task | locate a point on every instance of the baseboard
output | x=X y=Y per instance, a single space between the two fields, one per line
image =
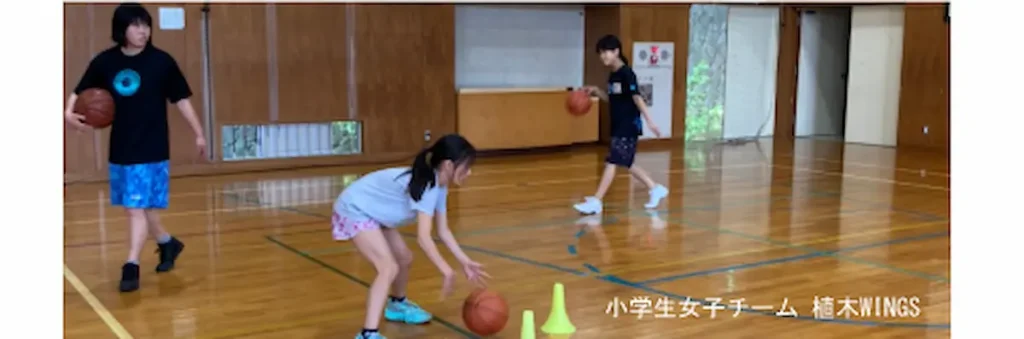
x=660 y=142
x=523 y=151
x=259 y=166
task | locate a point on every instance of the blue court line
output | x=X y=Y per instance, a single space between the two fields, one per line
x=813 y=252
x=791 y=258
x=502 y=229
x=683 y=220
x=810 y=250
x=626 y=283
x=592 y=268
x=335 y=270
x=573 y=246
x=523 y=226
x=925 y=216
x=509 y=228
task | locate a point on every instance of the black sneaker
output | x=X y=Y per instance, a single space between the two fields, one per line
x=129 y=277
x=168 y=254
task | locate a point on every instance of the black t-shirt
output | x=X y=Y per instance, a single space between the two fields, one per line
x=625 y=116
x=141 y=85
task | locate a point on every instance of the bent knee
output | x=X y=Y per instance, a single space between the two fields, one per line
x=404 y=258
x=388 y=268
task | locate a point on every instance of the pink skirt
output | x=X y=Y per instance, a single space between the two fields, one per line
x=345 y=227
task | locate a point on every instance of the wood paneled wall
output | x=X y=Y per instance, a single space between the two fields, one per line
x=785 y=81
x=406 y=79
x=290 y=63
x=502 y=119
x=391 y=67
x=639 y=23
x=86 y=33
x=924 y=90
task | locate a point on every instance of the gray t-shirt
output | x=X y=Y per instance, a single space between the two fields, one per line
x=383 y=196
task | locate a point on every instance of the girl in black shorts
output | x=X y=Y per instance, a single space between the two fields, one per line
x=626 y=106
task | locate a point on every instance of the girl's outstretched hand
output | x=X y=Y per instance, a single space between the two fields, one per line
x=475 y=273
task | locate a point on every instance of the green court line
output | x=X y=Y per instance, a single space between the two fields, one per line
x=346 y=248
x=465 y=333
x=784 y=244
x=682 y=220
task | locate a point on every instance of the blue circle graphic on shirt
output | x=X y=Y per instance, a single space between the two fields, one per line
x=127 y=82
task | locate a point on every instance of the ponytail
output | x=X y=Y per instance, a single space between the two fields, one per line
x=623 y=58
x=452 y=147
x=422 y=175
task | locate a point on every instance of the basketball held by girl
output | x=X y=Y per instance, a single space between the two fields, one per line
x=370 y=211
x=626 y=108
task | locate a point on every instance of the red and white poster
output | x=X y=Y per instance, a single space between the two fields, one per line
x=653 y=65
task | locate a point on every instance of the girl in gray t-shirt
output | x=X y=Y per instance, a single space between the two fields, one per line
x=371 y=209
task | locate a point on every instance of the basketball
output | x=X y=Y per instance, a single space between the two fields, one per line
x=485 y=312
x=97 y=106
x=578 y=102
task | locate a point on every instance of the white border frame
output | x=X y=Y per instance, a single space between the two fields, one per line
x=985 y=119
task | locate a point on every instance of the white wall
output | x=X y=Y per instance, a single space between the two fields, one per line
x=821 y=87
x=751 y=68
x=876 y=53
x=518 y=46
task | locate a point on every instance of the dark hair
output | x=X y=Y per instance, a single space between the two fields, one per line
x=449 y=147
x=125 y=15
x=610 y=43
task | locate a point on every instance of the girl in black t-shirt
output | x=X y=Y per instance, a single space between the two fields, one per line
x=142 y=79
x=626 y=107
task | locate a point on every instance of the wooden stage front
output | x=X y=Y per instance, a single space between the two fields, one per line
x=770 y=226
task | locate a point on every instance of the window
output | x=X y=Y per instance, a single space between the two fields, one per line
x=276 y=141
x=705 y=79
x=732 y=62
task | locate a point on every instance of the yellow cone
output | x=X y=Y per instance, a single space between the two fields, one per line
x=558 y=320
x=528 y=332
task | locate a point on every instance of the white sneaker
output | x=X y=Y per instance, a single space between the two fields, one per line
x=591 y=205
x=657 y=193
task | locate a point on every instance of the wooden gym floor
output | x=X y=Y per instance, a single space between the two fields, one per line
x=764 y=223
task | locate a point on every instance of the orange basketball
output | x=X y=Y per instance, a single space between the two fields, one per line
x=485 y=312
x=97 y=106
x=578 y=102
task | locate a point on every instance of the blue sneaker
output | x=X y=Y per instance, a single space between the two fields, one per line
x=406 y=312
x=374 y=335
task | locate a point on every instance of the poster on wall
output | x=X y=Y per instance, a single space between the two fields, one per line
x=652 y=63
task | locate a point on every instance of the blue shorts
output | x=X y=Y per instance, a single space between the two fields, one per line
x=622 y=151
x=142 y=186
